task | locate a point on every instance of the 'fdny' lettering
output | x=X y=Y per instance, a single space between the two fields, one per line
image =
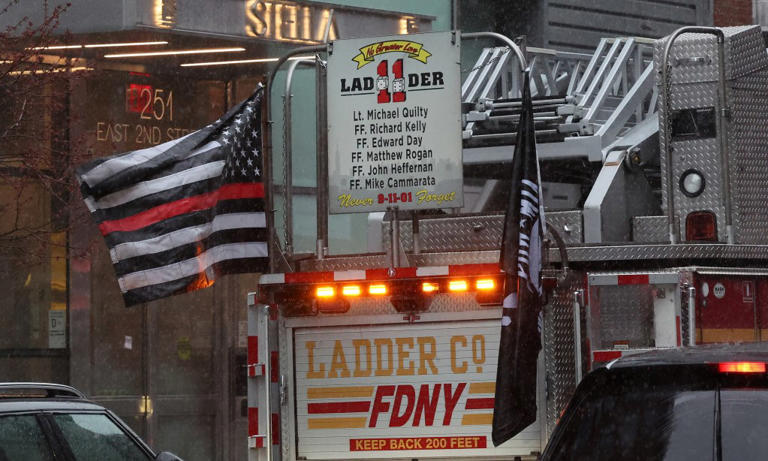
x=406 y=407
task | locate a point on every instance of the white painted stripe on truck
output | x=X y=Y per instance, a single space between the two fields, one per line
x=270 y=279
x=432 y=270
x=348 y=275
x=669 y=277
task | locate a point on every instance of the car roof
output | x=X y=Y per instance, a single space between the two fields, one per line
x=32 y=397
x=51 y=405
x=695 y=355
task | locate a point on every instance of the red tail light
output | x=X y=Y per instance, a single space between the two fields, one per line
x=701 y=226
x=741 y=367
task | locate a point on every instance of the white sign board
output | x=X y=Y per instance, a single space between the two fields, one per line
x=394 y=123
x=57 y=329
x=400 y=391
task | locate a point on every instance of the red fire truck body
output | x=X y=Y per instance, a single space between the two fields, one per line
x=657 y=241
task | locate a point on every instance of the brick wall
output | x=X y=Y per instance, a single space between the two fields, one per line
x=732 y=12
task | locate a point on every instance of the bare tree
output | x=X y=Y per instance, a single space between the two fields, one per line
x=36 y=161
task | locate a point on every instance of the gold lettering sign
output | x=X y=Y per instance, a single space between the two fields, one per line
x=414 y=50
x=288 y=21
x=400 y=356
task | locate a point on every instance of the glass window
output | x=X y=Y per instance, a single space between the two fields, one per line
x=95 y=437
x=22 y=439
x=645 y=424
x=744 y=419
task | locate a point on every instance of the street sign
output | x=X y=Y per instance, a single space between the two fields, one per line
x=394 y=123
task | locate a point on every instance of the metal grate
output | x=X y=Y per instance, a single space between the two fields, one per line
x=559 y=348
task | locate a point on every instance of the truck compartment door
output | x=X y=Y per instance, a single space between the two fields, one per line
x=632 y=312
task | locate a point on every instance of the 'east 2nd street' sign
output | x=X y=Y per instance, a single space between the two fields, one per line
x=394 y=123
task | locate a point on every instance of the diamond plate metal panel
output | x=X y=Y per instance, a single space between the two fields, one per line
x=381 y=260
x=343 y=263
x=685 y=47
x=702 y=155
x=689 y=95
x=685 y=319
x=650 y=229
x=622 y=314
x=453 y=233
x=575 y=254
x=559 y=359
x=476 y=233
x=748 y=144
x=445 y=259
x=692 y=95
x=742 y=55
x=744 y=50
x=636 y=253
x=569 y=224
x=747 y=139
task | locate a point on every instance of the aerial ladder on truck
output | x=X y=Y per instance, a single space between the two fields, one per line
x=654 y=168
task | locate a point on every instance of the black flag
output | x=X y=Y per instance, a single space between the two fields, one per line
x=521 y=251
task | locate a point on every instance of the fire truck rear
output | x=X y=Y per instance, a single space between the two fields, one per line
x=654 y=164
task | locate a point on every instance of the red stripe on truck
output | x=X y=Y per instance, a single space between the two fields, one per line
x=275 y=429
x=479 y=404
x=634 y=279
x=383 y=274
x=274 y=367
x=253 y=350
x=605 y=356
x=338 y=407
x=253 y=425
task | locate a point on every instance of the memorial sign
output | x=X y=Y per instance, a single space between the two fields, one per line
x=394 y=123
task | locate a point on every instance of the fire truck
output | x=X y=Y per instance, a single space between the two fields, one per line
x=654 y=167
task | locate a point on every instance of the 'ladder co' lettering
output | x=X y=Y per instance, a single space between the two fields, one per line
x=407 y=356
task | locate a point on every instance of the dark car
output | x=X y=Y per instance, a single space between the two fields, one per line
x=699 y=403
x=41 y=422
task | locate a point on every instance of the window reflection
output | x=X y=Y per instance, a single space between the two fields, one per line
x=94 y=437
x=640 y=425
x=21 y=439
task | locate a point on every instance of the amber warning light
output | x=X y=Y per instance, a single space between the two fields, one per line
x=351 y=290
x=325 y=292
x=457 y=285
x=741 y=367
x=486 y=284
x=405 y=295
x=377 y=289
x=486 y=288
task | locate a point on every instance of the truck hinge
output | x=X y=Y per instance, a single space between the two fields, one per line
x=254 y=369
x=253 y=438
x=283 y=390
x=411 y=317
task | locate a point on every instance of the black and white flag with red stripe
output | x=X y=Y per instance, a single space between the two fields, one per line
x=521 y=260
x=177 y=215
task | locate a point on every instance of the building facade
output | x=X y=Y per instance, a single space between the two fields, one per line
x=174 y=368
